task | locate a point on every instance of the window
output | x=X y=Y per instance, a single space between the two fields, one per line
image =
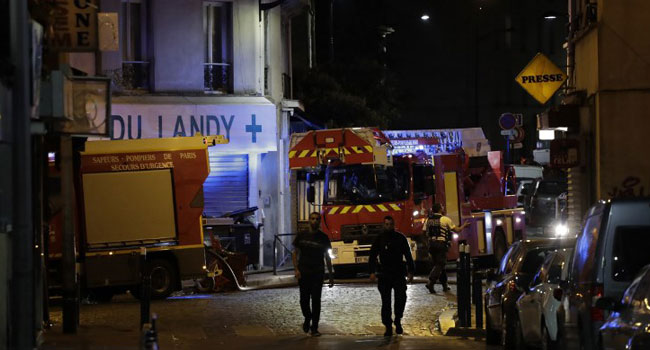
x=217 y=29
x=135 y=67
x=543 y=271
x=364 y=184
x=630 y=251
x=508 y=260
x=555 y=270
x=533 y=260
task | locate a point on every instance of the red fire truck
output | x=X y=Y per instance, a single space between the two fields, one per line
x=132 y=194
x=367 y=177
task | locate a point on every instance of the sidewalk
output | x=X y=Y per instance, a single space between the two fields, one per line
x=283 y=279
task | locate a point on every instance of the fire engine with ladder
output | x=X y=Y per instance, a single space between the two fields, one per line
x=369 y=174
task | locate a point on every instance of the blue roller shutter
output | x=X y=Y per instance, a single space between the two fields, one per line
x=226 y=188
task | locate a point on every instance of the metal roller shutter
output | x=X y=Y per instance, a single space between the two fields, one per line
x=226 y=188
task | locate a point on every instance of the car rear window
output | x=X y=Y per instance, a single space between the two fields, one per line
x=630 y=251
x=534 y=259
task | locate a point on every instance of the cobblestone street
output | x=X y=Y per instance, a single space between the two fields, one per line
x=349 y=310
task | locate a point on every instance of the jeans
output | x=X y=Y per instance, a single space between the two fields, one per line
x=311 y=286
x=385 y=284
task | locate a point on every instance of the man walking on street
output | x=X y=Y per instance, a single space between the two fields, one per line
x=310 y=250
x=439 y=227
x=395 y=262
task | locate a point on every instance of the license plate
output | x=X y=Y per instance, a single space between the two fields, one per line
x=361 y=259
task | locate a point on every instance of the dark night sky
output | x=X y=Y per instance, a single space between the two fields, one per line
x=433 y=61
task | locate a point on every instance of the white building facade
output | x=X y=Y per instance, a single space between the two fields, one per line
x=216 y=68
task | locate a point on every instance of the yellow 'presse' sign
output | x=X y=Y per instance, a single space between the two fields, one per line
x=541 y=78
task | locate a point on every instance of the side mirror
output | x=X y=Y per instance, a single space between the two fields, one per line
x=311 y=194
x=609 y=304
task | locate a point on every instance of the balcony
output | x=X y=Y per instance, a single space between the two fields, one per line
x=133 y=76
x=217 y=78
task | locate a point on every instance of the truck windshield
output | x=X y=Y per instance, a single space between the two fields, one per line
x=361 y=184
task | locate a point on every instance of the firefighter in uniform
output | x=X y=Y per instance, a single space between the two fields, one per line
x=311 y=249
x=395 y=263
x=439 y=227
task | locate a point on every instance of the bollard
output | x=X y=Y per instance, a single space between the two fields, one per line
x=149 y=339
x=145 y=288
x=477 y=291
x=467 y=285
x=461 y=281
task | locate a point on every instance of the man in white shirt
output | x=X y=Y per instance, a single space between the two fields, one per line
x=439 y=228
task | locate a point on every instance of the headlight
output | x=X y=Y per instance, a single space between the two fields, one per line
x=561 y=230
x=333 y=253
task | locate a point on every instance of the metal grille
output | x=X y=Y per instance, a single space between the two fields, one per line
x=217 y=77
x=226 y=188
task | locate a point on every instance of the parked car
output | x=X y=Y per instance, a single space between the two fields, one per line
x=541 y=207
x=628 y=326
x=516 y=270
x=537 y=307
x=611 y=249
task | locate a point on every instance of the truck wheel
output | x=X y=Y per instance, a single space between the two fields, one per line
x=163 y=278
x=500 y=246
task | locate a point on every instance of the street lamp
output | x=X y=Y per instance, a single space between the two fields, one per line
x=425 y=17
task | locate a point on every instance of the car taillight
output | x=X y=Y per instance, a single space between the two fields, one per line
x=597 y=291
x=512 y=286
x=557 y=294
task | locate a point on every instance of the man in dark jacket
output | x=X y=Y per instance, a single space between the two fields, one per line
x=392 y=249
x=311 y=249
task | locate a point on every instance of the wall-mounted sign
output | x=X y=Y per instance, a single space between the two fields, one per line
x=108 y=28
x=248 y=127
x=74 y=25
x=541 y=78
x=565 y=153
x=86 y=106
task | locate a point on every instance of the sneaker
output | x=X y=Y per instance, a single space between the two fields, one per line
x=398 y=328
x=315 y=333
x=389 y=331
x=305 y=326
x=430 y=288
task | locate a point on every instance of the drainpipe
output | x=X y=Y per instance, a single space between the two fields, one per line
x=21 y=281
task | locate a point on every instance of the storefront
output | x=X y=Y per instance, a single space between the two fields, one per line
x=236 y=179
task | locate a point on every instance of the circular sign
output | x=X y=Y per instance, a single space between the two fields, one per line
x=519 y=134
x=507 y=121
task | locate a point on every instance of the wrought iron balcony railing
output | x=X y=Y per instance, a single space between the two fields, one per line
x=218 y=77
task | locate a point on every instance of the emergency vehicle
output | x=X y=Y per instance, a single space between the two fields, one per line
x=134 y=194
x=369 y=174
